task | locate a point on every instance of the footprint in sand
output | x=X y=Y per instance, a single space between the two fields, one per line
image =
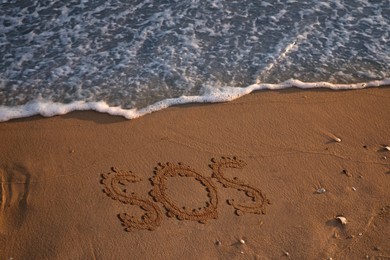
x=14 y=192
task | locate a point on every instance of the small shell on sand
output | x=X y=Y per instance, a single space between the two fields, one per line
x=242 y=241
x=342 y=219
x=320 y=190
x=337 y=139
x=387 y=147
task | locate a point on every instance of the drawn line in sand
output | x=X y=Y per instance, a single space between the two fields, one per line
x=159 y=193
x=112 y=182
x=257 y=197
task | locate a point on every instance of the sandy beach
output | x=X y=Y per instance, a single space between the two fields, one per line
x=261 y=177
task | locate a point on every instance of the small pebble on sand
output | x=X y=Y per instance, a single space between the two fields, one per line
x=347 y=173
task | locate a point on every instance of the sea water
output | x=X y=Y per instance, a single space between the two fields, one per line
x=130 y=58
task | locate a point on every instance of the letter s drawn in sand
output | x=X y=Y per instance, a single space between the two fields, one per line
x=112 y=181
x=258 y=198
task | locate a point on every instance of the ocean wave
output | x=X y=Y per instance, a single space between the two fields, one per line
x=211 y=95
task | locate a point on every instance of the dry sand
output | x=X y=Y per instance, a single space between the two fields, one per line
x=53 y=205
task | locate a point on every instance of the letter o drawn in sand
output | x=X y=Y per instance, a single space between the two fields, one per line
x=112 y=187
x=258 y=198
x=159 y=193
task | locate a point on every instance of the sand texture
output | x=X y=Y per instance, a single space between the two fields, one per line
x=262 y=177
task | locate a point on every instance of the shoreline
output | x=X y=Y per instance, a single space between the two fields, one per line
x=52 y=204
x=49 y=109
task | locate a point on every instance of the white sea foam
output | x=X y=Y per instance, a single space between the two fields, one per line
x=211 y=95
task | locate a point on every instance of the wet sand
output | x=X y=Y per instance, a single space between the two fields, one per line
x=262 y=177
